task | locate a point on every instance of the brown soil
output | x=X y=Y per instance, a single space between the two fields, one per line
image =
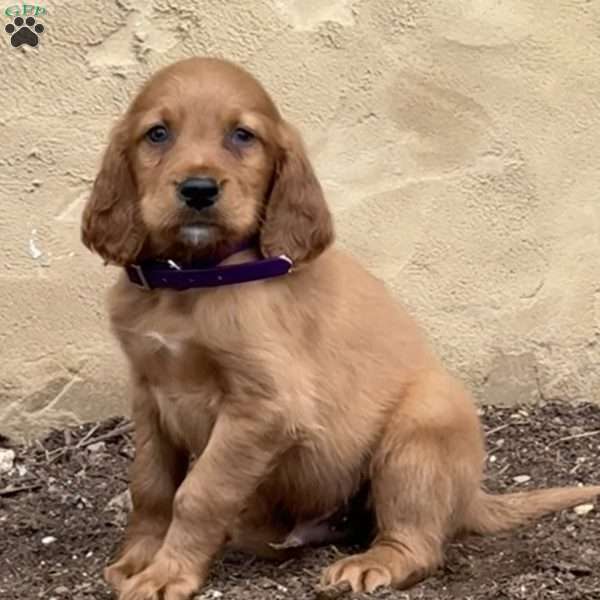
x=60 y=489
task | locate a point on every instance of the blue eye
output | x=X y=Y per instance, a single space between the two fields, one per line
x=242 y=137
x=158 y=134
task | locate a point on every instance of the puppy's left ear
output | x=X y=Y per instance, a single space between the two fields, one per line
x=297 y=220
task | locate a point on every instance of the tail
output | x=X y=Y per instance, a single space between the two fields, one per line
x=491 y=513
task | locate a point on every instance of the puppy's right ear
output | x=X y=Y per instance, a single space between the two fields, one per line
x=111 y=224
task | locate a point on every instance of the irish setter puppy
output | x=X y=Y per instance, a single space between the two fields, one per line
x=264 y=406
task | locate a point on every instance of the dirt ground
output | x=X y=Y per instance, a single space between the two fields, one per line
x=61 y=517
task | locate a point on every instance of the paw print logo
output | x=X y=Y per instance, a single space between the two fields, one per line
x=24 y=32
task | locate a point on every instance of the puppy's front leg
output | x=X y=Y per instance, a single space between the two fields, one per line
x=157 y=470
x=241 y=451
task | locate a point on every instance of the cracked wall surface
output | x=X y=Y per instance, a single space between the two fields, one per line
x=457 y=142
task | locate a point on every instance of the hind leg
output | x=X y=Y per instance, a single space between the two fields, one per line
x=424 y=472
x=268 y=532
x=258 y=528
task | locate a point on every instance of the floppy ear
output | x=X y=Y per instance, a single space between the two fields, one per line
x=297 y=221
x=111 y=225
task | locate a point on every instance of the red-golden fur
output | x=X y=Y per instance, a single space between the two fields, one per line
x=290 y=392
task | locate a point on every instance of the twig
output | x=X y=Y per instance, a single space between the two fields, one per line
x=271 y=581
x=574 y=437
x=88 y=435
x=56 y=454
x=502 y=470
x=496 y=446
x=15 y=489
x=286 y=564
x=43 y=449
x=87 y=441
x=124 y=429
x=497 y=429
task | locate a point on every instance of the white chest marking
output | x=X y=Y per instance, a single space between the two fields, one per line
x=173 y=345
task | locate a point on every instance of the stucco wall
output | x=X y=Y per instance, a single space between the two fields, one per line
x=458 y=143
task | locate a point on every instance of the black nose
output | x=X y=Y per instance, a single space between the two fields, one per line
x=198 y=192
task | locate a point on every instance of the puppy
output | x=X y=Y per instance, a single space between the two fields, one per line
x=297 y=384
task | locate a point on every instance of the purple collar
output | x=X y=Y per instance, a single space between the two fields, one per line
x=153 y=274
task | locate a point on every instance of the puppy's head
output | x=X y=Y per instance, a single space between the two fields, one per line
x=200 y=161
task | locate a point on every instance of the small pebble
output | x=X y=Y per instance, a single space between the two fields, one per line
x=121 y=502
x=7 y=460
x=97 y=447
x=48 y=540
x=121 y=505
x=521 y=478
x=583 y=509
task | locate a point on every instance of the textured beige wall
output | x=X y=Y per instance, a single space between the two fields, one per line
x=458 y=143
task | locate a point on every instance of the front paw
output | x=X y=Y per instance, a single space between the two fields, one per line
x=135 y=559
x=166 y=578
x=360 y=573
